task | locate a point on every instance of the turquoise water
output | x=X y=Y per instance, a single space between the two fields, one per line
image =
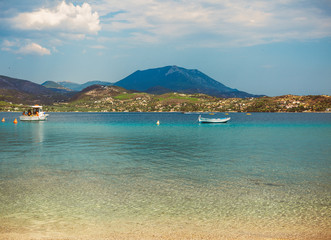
x=267 y=173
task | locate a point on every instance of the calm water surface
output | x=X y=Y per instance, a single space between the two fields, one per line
x=267 y=173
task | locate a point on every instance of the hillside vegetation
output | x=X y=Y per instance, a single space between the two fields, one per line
x=117 y=99
x=98 y=98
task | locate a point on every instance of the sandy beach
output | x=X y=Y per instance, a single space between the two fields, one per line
x=133 y=230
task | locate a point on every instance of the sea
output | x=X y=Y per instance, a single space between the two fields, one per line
x=122 y=176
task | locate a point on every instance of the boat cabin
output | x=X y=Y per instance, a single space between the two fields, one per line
x=36 y=109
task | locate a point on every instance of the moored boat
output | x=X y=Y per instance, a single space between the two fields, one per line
x=213 y=120
x=34 y=114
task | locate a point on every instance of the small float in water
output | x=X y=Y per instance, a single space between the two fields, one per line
x=34 y=114
x=213 y=120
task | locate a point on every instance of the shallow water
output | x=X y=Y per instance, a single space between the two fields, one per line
x=265 y=175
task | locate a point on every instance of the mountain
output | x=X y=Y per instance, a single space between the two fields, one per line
x=79 y=87
x=97 y=92
x=54 y=86
x=23 y=86
x=177 y=79
x=71 y=85
x=23 y=91
x=90 y=83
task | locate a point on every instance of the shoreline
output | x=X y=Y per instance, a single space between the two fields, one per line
x=168 y=230
x=172 y=102
x=163 y=112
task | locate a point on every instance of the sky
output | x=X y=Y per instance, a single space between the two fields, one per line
x=271 y=47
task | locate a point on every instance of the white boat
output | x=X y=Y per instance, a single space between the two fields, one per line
x=213 y=120
x=36 y=114
x=192 y=112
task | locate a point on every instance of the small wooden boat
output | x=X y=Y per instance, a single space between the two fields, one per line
x=36 y=114
x=213 y=120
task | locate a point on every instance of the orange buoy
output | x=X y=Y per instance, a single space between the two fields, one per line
x=3 y=120
x=15 y=121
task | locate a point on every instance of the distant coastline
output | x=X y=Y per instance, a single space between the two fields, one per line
x=95 y=101
x=203 y=94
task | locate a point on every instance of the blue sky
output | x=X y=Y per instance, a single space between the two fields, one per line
x=271 y=47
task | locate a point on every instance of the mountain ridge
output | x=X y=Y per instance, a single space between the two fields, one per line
x=79 y=87
x=54 y=86
x=153 y=81
x=15 y=94
x=20 y=90
x=178 y=79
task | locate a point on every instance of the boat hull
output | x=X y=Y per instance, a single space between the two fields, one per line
x=213 y=120
x=33 y=118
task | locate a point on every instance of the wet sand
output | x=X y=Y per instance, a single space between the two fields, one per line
x=131 y=230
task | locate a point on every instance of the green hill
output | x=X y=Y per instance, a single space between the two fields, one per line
x=116 y=99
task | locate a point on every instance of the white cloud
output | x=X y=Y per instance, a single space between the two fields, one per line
x=7 y=45
x=65 y=18
x=186 y=23
x=222 y=22
x=33 y=48
x=72 y=36
x=27 y=48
